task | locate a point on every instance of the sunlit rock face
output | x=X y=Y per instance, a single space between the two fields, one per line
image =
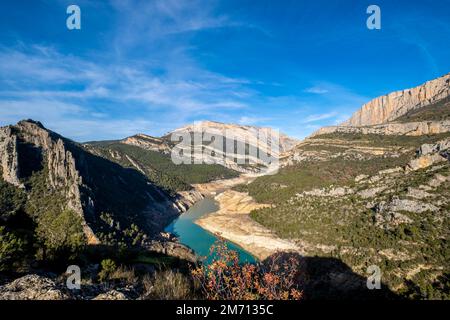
x=389 y=107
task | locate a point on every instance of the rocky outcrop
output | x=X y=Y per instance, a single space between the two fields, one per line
x=213 y=135
x=93 y=187
x=111 y=295
x=148 y=143
x=327 y=192
x=62 y=170
x=40 y=287
x=430 y=154
x=439 y=147
x=172 y=248
x=32 y=287
x=9 y=157
x=408 y=129
x=396 y=205
x=187 y=199
x=394 y=105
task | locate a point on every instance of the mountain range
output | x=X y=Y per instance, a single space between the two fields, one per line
x=373 y=190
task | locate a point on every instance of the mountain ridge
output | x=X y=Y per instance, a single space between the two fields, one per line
x=91 y=186
x=395 y=104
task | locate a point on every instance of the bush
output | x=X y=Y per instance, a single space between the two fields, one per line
x=12 y=199
x=108 y=268
x=226 y=279
x=60 y=232
x=11 y=248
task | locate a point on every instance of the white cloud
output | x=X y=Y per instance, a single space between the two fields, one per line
x=245 y=120
x=316 y=90
x=319 y=117
x=103 y=101
x=71 y=120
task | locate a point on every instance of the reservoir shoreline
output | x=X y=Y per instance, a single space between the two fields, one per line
x=232 y=222
x=199 y=239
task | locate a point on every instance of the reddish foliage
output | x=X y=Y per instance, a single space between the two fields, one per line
x=226 y=279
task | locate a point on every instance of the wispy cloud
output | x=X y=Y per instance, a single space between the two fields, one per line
x=316 y=90
x=152 y=74
x=246 y=120
x=158 y=22
x=319 y=117
x=72 y=120
x=36 y=80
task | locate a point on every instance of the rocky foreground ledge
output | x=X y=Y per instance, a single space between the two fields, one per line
x=38 y=287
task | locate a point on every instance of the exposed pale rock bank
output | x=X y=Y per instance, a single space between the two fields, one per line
x=232 y=222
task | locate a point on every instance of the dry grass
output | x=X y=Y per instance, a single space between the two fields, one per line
x=167 y=285
x=125 y=274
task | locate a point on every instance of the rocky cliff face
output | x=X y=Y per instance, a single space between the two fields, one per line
x=9 y=157
x=255 y=137
x=238 y=131
x=419 y=111
x=408 y=128
x=394 y=105
x=148 y=143
x=108 y=198
x=61 y=168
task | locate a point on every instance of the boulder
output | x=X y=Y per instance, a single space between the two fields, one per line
x=111 y=295
x=33 y=287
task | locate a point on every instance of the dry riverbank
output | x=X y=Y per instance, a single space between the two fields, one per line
x=232 y=222
x=215 y=187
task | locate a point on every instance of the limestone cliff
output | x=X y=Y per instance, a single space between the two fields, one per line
x=148 y=142
x=254 y=137
x=9 y=157
x=394 y=105
x=394 y=128
x=109 y=198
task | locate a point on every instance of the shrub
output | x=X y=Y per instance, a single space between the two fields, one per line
x=12 y=200
x=10 y=249
x=60 y=232
x=108 y=268
x=226 y=279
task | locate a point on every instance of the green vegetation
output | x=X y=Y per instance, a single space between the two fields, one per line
x=344 y=227
x=438 y=111
x=377 y=140
x=309 y=175
x=61 y=231
x=413 y=253
x=11 y=200
x=160 y=169
x=11 y=248
x=16 y=230
x=58 y=230
x=108 y=268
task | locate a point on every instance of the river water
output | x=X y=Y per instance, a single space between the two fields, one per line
x=198 y=238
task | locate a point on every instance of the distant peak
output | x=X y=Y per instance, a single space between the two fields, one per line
x=31 y=121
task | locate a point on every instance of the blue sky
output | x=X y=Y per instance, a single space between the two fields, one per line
x=152 y=66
